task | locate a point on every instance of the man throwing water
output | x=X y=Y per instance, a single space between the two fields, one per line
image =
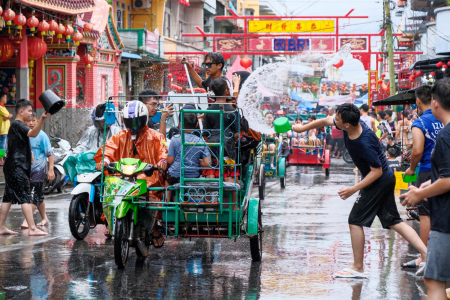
x=376 y=189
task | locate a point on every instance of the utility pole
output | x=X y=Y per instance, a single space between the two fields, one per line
x=390 y=47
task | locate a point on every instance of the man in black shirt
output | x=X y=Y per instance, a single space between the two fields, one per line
x=376 y=188
x=17 y=167
x=437 y=192
x=391 y=145
x=151 y=99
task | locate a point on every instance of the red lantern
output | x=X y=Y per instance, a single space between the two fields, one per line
x=6 y=49
x=88 y=27
x=383 y=75
x=88 y=60
x=60 y=30
x=444 y=66
x=20 y=20
x=432 y=73
x=448 y=63
x=411 y=78
x=68 y=32
x=380 y=59
x=43 y=27
x=77 y=37
x=246 y=62
x=169 y=75
x=439 y=64
x=32 y=23
x=339 y=64
x=420 y=73
x=52 y=27
x=9 y=15
x=36 y=48
x=380 y=81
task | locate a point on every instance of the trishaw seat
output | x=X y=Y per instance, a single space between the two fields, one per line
x=227 y=186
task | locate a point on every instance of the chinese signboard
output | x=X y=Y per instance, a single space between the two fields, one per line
x=373 y=84
x=260 y=44
x=230 y=45
x=290 y=44
x=325 y=44
x=291 y=26
x=152 y=43
x=358 y=44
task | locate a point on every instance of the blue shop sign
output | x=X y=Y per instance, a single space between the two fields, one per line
x=290 y=44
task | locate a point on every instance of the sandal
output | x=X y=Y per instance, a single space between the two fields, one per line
x=155 y=240
x=410 y=265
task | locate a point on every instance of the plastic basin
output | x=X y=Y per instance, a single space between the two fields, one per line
x=282 y=125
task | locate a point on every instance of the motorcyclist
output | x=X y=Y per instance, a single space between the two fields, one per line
x=92 y=138
x=138 y=141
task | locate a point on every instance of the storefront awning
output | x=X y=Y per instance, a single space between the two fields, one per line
x=130 y=55
x=405 y=98
x=428 y=65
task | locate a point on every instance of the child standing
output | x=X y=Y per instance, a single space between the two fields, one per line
x=42 y=150
x=18 y=167
x=4 y=123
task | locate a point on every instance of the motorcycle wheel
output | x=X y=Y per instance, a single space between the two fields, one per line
x=262 y=183
x=347 y=158
x=77 y=216
x=121 y=243
x=50 y=186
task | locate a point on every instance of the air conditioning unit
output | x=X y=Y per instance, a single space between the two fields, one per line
x=142 y=4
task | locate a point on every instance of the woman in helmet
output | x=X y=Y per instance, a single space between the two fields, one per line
x=138 y=141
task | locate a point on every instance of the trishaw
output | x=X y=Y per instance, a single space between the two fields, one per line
x=201 y=207
x=311 y=154
x=265 y=159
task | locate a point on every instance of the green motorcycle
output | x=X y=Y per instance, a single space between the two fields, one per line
x=131 y=224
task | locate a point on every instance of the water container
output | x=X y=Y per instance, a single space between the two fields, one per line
x=110 y=115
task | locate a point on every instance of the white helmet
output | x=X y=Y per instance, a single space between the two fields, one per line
x=135 y=116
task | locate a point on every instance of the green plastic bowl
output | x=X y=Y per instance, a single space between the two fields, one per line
x=409 y=178
x=282 y=125
x=2 y=153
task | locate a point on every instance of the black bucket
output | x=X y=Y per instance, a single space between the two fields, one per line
x=51 y=103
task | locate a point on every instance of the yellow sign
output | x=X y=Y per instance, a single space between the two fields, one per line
x=291 y=26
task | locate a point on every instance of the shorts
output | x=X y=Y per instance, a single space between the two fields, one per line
x=377 y=199
x=3 y=141
x=438 y=256
x=17 y=187
x=227 y=171
x=338 y=142
x=423 y=207
x=171 y=180
x=37 y=193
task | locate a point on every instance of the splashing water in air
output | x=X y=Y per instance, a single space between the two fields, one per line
x=268 y=87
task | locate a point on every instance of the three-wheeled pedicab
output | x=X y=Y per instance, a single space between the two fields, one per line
x=200 y=208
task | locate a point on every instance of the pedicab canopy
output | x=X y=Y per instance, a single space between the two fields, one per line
x=404 y=98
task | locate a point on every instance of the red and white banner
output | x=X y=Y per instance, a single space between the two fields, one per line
x=323 y=45
x=260 y=44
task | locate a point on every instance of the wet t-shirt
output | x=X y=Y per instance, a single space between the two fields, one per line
x=42 y=149
x=440 y=168
x=366 y=152
x=19 y=150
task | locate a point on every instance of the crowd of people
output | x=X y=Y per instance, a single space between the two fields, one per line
x=376 y=142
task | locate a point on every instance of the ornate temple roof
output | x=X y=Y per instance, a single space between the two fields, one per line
x=70 y=7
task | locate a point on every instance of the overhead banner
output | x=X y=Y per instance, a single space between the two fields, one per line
x=291 y=26
x=290 y=44
x=324 y=44
x=357 y=44
x=260 y=44
x=230 y=45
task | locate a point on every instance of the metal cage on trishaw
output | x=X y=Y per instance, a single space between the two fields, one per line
x=200 y=208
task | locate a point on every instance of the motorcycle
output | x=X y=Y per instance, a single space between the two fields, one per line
x=346 y=157
x=131 y=223
x=85 y=210
x=60 y=155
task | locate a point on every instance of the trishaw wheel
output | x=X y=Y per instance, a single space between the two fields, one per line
x=327 y=172
x=262 y=183
x=283 y=182
x=121 y=243
x=256 y=241
x=78 y=222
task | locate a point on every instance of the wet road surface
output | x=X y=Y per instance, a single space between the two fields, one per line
x=306 y=240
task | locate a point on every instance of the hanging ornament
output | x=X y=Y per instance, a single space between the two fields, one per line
x=43 y=28
x=88 y=27
x=77 y=37
x=383 y=75
x=52 y=27
x=88 y=60
x=439 y=64
x=380 y=81
x=68 y=31
x=6 y=49
x=20 y=20
x=339 y=64
x=9 y=15
x=246 y=62
x=32 y=23
x=444 y=66
x=59 y=32
x=433 y=74
x=36 y=49
x=380 y=59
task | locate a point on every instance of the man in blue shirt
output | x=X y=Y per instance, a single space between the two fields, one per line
x=194 y=157
x=376 y=188
x=424 y=133
x=42 y=150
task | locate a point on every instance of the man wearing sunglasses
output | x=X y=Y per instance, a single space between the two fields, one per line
x=151 y=99
x=214 y=63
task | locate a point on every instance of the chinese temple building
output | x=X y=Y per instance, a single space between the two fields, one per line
x=71 y=47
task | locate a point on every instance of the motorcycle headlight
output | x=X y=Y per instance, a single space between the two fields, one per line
x=128 y=169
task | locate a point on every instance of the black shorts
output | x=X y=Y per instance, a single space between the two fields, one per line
x=37 y=193
x=338 y=142
x=377 y=199
x=17 y=187
x=423 y=207
x=171 y=179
